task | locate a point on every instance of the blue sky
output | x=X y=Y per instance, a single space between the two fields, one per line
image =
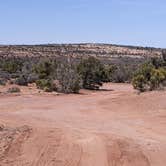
x=128 y=22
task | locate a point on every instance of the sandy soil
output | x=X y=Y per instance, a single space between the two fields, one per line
x=111 y=127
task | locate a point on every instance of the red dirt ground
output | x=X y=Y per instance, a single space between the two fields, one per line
x=111 y=127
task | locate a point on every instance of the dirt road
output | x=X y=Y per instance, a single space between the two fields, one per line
x=111 y=127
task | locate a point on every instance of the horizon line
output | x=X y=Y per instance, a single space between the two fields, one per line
x=83 y=43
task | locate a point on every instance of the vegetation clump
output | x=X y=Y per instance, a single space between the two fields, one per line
x=45 y=84
x=69 y=75
x=149 y=77
x=45 y=68
x=69 y=80
x=93 y=73
x=3 y=81
x=14 y=90
x=21 y=80
x=11 y=65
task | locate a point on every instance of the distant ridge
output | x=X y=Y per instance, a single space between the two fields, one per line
x=102 y=44
x=79 y=49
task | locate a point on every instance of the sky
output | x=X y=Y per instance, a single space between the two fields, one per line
x=127 y=22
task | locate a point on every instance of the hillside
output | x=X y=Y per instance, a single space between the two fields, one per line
x=79 y=50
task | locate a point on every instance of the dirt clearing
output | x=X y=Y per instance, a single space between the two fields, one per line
x=111 y=127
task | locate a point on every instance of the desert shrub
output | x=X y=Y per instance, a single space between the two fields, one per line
x=69 y=81
x=124 y=68
x=22 y=80
x=45 y=68
x=139 y=82
x=11 y=65
x=14 y=90
x=149 y=77
x=92 y=72
x=164 y=55
x=45 y=84
x=141 y=79
x=158 y=78
x=158 y=62
x=28 y=71
x=61 y=76
x=107 y=73
x=27 y=74
x=32 y=77
x=122 y=73
x=3 y=81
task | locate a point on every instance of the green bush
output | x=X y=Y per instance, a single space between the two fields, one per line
x=92 y=72
x=45 y=85
x=69 y=81
x=11 y=65
x=149 y=77
x=22 y=80
x=139 y=82
x=45 y=68
x=3 y=81
x=158 y=62
x=62 y=76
